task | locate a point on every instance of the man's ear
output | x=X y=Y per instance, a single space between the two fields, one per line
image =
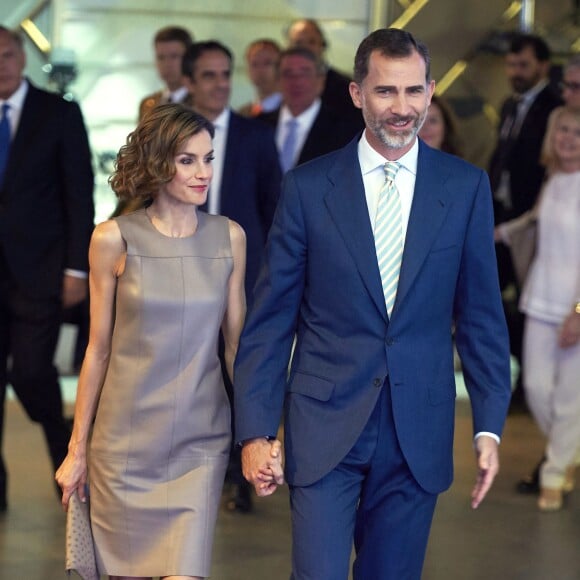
x=355 y=94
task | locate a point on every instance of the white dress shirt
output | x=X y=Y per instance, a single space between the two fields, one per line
x=177 y=96
x=16 y=102
x=221 y=125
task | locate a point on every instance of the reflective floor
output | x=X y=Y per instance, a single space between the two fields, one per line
x=506 y=539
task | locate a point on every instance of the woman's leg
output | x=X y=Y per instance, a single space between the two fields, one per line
x=539 y=360
x=564 y=434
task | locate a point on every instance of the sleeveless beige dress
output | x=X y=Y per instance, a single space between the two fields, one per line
x=161 y=437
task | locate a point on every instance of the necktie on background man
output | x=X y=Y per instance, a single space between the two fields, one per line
x=289 y=145
x=4 y=140
x=389 y=235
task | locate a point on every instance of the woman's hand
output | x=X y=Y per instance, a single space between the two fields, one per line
x=570 y=330
x=71 y=475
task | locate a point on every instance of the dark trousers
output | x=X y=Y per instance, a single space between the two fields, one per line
x=29 y=329
x=371 y=498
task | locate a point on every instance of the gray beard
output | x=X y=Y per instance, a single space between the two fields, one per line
x=400 y=140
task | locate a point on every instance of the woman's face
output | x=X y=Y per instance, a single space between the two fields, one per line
x=567 y=140
x=433 y=129
x=193 y=171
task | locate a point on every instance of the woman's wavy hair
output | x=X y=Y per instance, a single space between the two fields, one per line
x=146 y=161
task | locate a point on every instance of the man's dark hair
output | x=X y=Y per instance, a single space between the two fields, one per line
x=197 y=49
x=305 y=53
x=538 y=45
x=389 y=42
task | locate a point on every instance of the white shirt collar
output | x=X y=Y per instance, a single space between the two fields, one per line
x=529 y=96
x=271 y=102
x=223 y=119
x=177 y=96
x=16 y=99
x=305 y=119
x=370 y=159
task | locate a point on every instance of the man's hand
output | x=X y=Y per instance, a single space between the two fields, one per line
x=74 y=290
x=487 y=454
x=262 y=465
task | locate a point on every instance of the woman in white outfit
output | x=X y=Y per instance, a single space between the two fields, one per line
x=551 y=302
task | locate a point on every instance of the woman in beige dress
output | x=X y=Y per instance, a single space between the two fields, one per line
x=164 y=281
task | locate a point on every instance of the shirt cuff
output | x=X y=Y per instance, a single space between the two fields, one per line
x=76 y=273
x=488 y=434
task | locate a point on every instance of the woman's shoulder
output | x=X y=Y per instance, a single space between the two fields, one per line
x=237 y=233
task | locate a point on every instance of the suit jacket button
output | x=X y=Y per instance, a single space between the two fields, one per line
x=390 y=341
x=377 y=382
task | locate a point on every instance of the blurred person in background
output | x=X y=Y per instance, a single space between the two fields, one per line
x=305 y=126
x=307 y=33
x=551 y=303
x=170 y=44
x=46 y=220
x=262 y=58
x=440 y=128
x=515 y=172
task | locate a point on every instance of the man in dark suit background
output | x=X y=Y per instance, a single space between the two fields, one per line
x=318 y=128
x=307 y=33
x=515 y=172
x=370 y=397
x=170 y=44
x=46 y=220
x=246 y=179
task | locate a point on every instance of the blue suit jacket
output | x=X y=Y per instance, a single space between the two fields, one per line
x=321 y=281
x=250 y=186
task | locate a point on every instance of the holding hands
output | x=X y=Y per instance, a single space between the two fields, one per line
x=262 y=465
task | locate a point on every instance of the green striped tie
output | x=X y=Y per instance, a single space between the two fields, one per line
x=389 y=235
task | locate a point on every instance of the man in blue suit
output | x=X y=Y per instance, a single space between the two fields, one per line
x=245 y=185
x=370 y=397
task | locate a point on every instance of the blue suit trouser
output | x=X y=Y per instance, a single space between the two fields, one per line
x=370 y=498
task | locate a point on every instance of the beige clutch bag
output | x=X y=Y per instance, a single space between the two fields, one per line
x=80 y=550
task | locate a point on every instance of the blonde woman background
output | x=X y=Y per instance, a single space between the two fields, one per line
x=551 y=303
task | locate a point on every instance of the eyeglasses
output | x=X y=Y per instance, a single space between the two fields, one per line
x=570 y=86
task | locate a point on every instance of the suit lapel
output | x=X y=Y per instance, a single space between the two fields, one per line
x=431 y=203
x=346 y=203
x=30 y=120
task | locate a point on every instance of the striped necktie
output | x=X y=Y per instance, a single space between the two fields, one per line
x=288 y=147
x=4 y=140
x=388 y=235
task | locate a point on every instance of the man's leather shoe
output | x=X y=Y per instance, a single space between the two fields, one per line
x=530 y=485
